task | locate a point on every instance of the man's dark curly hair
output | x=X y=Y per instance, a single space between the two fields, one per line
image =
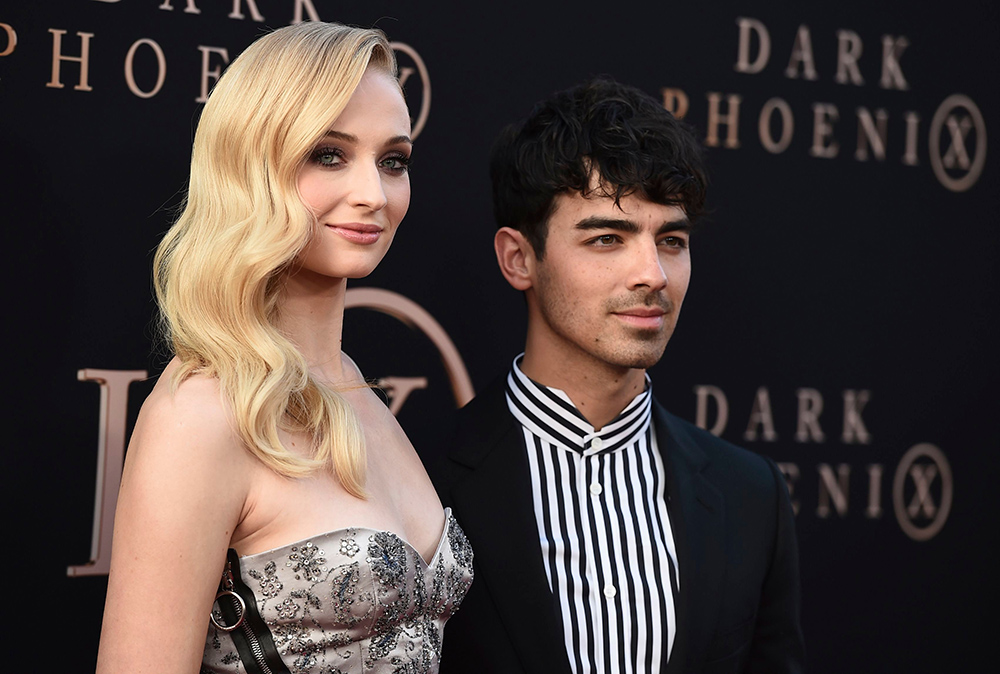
x=631 y=141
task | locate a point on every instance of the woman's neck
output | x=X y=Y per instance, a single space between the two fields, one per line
x=311 y=315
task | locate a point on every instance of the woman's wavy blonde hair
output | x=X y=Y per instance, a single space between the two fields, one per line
x=219 y=269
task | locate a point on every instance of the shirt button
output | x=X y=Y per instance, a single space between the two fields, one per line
x=610 y=591
x=596 y=489
x=596 y=443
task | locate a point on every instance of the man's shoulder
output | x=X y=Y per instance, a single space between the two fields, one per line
x=713 y=455
x=487 y=402
x=485 y=415
x=479 y=427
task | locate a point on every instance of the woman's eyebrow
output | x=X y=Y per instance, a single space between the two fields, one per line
x=348 y=138
x=341 y=136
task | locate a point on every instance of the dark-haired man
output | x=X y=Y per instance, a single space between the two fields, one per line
x=609 y=535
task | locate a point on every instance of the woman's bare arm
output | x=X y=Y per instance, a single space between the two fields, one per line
x=183 y=492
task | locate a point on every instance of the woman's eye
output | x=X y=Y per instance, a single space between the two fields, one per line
x=327 y=156
x=396 y=164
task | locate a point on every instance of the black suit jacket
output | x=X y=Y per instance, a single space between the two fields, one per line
x=734 y=531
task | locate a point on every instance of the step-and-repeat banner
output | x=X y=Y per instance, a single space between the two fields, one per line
x=842 y=317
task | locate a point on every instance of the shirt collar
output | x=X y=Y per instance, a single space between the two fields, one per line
x=549 y=414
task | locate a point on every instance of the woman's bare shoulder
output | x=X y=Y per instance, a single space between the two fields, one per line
x=191 y=416
x=183 y=493
x=351 y=369
x=185 y=459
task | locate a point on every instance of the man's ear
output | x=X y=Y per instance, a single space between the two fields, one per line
x=516 y=257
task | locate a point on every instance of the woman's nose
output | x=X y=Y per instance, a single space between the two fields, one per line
x=366 y=187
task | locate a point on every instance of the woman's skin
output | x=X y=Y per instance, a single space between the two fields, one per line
x=190 y=489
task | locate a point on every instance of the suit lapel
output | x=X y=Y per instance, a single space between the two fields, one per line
x=494 y=505
x=698 y=523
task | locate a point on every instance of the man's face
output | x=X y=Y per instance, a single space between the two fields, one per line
x=612 y=280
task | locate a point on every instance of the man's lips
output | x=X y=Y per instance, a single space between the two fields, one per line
x=642 y=317
x=357 y=232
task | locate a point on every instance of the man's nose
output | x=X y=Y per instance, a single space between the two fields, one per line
x=647 y=270
x=366 y=187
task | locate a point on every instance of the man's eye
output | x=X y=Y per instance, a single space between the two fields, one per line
x=606 y=240
x=674 y=242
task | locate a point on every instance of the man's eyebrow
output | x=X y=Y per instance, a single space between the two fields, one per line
x=681 y=225
x=348 y=138
x=617 y=224
x=629 y=226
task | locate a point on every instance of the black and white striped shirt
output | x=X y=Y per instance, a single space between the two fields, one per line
x=601 y=509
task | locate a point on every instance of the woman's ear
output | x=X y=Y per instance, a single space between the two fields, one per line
x=516 y=258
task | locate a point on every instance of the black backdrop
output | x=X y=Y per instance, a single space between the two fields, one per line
x=863 y=279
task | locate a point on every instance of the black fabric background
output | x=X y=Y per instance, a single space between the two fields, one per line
x=830 y=274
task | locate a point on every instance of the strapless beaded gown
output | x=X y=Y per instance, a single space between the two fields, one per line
x=352 y=600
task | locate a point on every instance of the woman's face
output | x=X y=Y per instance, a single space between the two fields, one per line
x=356 y=182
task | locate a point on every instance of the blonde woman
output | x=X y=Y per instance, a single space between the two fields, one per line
x=270 y=500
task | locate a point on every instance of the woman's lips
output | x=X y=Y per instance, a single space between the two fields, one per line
x=357 y=232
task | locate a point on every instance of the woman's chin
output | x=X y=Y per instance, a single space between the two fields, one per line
x=361 y=270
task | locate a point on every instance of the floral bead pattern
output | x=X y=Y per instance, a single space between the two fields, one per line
x=353 y=600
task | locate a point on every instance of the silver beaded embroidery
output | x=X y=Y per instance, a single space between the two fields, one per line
x=348 y=546
x=307 y=559
x=270 y=586
x=383 y=612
